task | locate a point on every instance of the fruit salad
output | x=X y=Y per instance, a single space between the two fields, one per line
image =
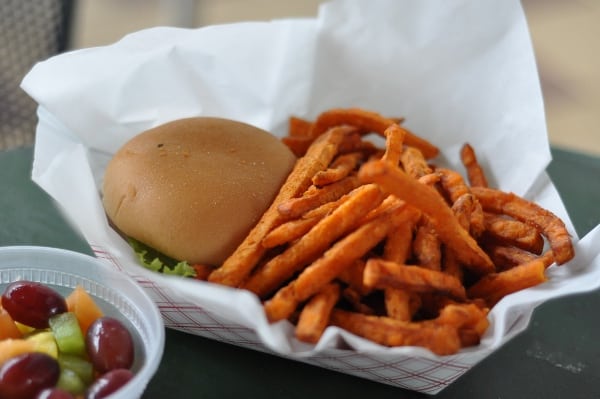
x=55 y=347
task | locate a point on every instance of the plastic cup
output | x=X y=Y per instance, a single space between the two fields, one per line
x=117 y=294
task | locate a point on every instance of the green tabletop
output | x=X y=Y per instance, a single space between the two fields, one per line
x=558 y=356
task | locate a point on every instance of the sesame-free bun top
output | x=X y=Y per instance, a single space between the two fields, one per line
x=193 y=188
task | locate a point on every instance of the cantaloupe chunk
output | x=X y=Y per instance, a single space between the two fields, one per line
x=85 y=308
x=8 y=328
x=14 y=347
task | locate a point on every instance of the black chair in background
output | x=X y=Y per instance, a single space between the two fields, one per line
x=30 y=31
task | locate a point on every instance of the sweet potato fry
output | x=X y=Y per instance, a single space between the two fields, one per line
x=240 y=264
x=427 y=247
x=376 y=156
x=354 y=142
x=369 y=122
x=439 y=338
x=460 y=197
x=289 y=231
x=514 y=232
x=399 y=303
x=394 y=140
x=398 y=243
x=451 y=266
x=294 y=229
x=469 y=319
x=389 y=202
x=394 y=181
x=462 y=315
x=429 y=179
x=299 y=127
x=340 y=168
x=352 y=276
x=469 y=213
x=314 y=316
x=310 y=246
x=496 y=286
x=462 y=209
x=506 y=257
x=202 y=271
x=452 y=184
x=397 y=119
x=549 y=224
x=340 y=256
x=382 y=274
x=418 y=252
x=296 y=207
x=475 y=172
x=469 y=336
x=349 y=249
x=414 y=163
x=298 y=145
x=477 y=223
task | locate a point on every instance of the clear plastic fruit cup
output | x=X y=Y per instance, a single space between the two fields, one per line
x=116 y=294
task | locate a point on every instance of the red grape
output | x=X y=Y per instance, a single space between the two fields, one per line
x=109 y=345
x=24 y=376
x=32 y=303
x=54 y=393
x=108 y=383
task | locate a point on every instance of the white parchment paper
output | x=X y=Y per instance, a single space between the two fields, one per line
x=459 y=71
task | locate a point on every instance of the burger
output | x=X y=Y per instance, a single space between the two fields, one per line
x=187 y=192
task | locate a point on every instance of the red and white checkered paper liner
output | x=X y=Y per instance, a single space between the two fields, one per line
x=428 y=374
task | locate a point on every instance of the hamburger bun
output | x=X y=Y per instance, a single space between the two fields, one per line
x=193 y=188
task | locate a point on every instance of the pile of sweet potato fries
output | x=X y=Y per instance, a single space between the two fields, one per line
x=385 y=244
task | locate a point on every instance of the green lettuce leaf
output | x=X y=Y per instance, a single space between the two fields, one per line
x=155 y=261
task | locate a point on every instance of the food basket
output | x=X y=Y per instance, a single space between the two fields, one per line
x=461 y=71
